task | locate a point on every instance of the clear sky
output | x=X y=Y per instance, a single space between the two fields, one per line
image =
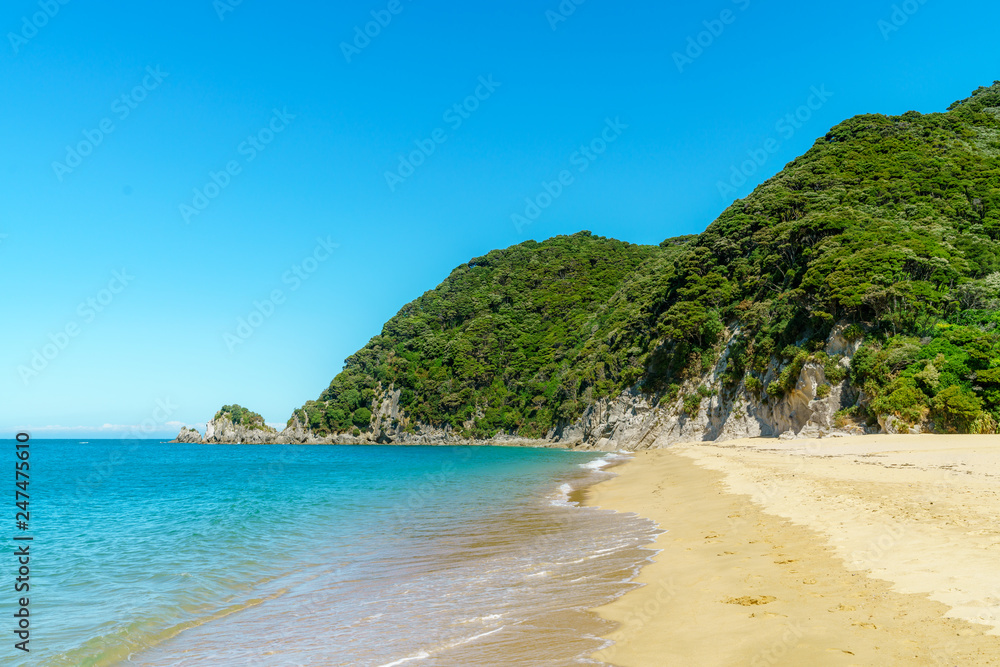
x=168 y=168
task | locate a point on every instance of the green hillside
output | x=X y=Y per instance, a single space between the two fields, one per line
x=515 y=340
x=890 y=223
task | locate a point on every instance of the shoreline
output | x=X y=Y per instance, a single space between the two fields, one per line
x=847 y=551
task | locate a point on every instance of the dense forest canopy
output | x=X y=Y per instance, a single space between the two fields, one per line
x=515 y=340
x=890 y=223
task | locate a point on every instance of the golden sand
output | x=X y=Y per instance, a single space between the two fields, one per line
x=877 y=550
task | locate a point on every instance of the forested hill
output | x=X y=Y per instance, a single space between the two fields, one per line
x=515 y=340
x=891 y=223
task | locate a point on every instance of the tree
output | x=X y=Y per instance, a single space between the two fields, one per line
x=958 y=408
x=362 y=418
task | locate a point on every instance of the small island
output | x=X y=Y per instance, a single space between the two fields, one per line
x=233 y=424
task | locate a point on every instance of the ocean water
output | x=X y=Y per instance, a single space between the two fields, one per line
x=152 y=553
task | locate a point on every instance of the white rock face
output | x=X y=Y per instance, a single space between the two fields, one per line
x=838 y=344
x=895 y=426
x=629 y=422
x=224 y=431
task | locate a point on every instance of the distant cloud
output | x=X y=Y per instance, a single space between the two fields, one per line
x=105 y=428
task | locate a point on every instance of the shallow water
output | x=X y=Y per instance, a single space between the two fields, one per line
x=162 y=554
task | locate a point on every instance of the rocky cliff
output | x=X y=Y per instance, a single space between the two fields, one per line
x=634 y=420
x=631 y=421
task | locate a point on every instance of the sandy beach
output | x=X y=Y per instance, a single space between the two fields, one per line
x=875 y=550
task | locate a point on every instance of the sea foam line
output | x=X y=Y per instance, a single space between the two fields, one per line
x=604 y=461
x=423 y=655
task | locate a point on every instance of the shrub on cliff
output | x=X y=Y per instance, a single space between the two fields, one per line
x=906 y=402
x=957 y=408
x=241 y=416
x=362 y=418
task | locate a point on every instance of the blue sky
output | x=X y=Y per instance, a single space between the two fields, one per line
x=170 y=170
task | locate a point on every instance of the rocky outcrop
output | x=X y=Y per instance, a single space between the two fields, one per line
x=388 y=429
x=222 y=430
x=896 y=426
x=189 y=435
x=631 y=421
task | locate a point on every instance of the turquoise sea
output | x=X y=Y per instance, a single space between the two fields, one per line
x=153 y=553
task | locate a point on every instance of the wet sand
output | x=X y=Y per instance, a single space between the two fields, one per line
x=877 y=550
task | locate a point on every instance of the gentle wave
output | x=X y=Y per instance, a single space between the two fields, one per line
x=605 y=461
x=561 y=498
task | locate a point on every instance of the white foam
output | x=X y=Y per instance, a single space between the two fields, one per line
x=562 y=498
x=423 y=655
x=480 y=619
x=474 y=637
x=598 y=553
x=603 y=462
x=597 y=464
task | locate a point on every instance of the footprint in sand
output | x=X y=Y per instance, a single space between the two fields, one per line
x=751 y=600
